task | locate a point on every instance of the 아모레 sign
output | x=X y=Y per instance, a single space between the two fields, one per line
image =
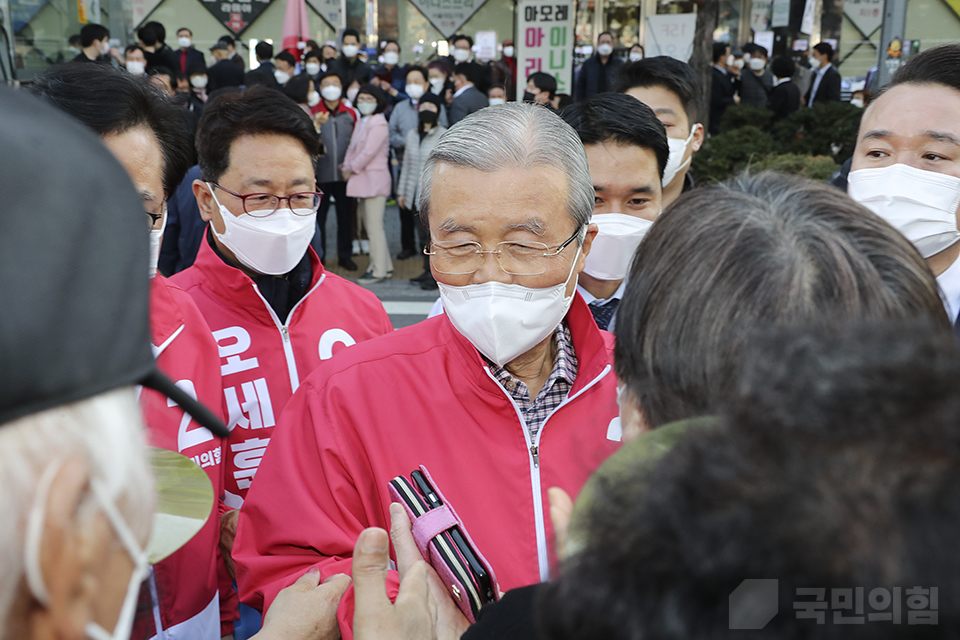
x=545 y=42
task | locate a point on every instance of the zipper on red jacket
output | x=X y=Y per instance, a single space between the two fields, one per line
x=535 y=452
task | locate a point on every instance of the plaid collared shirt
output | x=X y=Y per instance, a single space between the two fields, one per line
x=554 y=390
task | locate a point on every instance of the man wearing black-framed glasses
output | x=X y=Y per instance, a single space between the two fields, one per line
x=274 y=311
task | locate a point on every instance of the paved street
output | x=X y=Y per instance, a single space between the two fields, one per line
x=406 y=303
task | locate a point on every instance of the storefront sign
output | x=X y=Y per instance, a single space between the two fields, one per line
x=448 y=15
x=329 y=10
x=866 y=15
x=781 y=14
x=545 y=42
x=670 y=34
x=236 y=16
x=485 y=44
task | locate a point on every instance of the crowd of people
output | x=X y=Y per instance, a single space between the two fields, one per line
x=636 y=393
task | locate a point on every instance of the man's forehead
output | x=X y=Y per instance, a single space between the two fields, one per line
x=912 y=110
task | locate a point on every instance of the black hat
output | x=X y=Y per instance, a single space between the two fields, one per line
x=219 y=45
x=73 y=268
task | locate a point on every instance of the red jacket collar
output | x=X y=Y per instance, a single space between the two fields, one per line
x=165 y=316
x=341 y=108
x=594 y=348
x=232 y=285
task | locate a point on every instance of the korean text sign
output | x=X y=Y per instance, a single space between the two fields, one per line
x=545 y=42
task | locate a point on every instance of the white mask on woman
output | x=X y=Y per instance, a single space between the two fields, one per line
x=313 y=98
x=436 y=85
x=922 y=205
x=502 y=320
x=391 y=58
x=352 y=94
x=366 y=108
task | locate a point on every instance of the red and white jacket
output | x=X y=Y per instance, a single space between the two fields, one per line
x=422 y=395
x=263 y=360
x=184 y=585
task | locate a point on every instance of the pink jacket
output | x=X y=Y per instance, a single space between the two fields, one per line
x=262 y=360
x=421 y=395
x=367 y=158
x=186 y=583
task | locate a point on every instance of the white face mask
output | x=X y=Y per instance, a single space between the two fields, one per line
x=352 y=94
x=922 y=205
x=124 y=623
x=504 y=321
x=757 y=64
x=738 y=63
x=508 y=51
x=366 y=108
x=313 y=68
x=415 y=91
x=436 y=85
x=135 y=67
x=184 y=42
x=636 y=56
x=613 y=247
x=282 y=76
x=331 y=92
x=104 y=47
x=814 y=63
x=496 y=101
x=391 y=57
x=461 y=55
x=313 y=98
x=747 y=58
x=156 y=237
x=675 y=161
x=730 y=60
x=199 y=82
x=350 y=50
x=272 y=245
x=605 y=49
x=857 y=102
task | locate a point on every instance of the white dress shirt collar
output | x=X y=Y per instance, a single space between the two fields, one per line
x=949 y=283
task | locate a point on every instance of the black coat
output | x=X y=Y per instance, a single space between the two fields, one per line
x=829 y=89
x=784 y=100
x=596 y=77
x=224 y=73
x=194 y=60
x=721 y=97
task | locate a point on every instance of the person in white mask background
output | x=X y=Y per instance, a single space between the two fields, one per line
x=598 y=73
x=825 y=86
x=503 y=71
x=906 y=165
x=389 y=75
x=467 y=97
x=756 y=80
x=403 y=119
x=285 y=67
x=275 y=312
x=671 y=88
x=627 y=151
x=508 y=393
x=461 y=53
x=187 y=56
x=134 y=61
x=349 y=66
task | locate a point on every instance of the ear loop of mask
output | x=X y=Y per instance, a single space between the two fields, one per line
x=34 y=533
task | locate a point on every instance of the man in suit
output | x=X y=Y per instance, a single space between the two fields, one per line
x=224 y=72
x=232 y=54
x=785 y=95
x=264 y=73
x=722 y=93
x=826 y=82
x=187 y=57
x=467 y=98
x=598 y=74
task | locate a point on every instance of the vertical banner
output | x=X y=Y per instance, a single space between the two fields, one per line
x=781 y=14
x=545 y=42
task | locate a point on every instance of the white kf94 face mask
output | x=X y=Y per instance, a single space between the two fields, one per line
x=272 y=245
x=613 y=247
x=675 y=161
x=922 y=205
x=503 y=320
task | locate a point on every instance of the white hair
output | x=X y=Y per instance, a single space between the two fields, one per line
x=515 y=135
x=105 y=432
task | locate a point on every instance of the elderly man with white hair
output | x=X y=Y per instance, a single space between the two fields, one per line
x=507 y=394
x=78 y=492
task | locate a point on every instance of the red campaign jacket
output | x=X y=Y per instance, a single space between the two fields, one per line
x=262 y=361
x=422 y=395
x=185 y=584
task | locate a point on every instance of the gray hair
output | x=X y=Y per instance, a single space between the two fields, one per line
x=106 y=432
x=515 y=135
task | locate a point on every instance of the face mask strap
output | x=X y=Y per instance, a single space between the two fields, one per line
x=34 y=533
